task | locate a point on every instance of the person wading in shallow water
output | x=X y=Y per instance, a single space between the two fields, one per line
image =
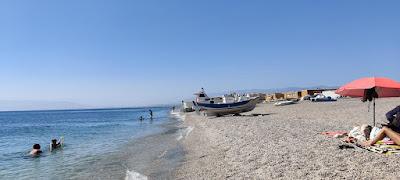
x=151 y=114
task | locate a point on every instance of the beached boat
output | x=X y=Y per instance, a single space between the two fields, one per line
x=228 y=108
x=284 y=103
x=235 y=105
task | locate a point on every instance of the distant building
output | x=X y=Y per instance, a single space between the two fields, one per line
x=314 y=91
x=297 y=94
x=293 y=95
x=274 y=97
x=261 y=96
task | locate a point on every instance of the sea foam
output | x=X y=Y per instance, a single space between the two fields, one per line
x=132 y=175
x=178 y=115
x=184 y=133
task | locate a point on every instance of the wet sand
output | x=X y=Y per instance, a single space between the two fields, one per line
x=285 y=144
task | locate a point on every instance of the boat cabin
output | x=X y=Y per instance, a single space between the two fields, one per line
x=202 y=96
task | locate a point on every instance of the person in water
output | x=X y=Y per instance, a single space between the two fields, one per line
x=392 y=130
x=55 y=144
x=35 y=150
x=151 y=114
x=141 y=118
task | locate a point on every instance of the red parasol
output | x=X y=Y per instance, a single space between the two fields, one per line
x=371 y=88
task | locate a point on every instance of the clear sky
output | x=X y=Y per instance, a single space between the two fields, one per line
x=133 y=53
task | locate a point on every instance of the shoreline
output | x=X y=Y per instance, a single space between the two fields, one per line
x=164 y=152
x=153 y=156
x=285 y=144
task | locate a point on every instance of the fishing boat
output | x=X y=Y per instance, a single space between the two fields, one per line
x=231 y=104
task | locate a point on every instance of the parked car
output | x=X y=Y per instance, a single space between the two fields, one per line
x=321 y=98
x=307 y=97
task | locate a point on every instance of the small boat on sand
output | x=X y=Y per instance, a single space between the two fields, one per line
x=284 y=103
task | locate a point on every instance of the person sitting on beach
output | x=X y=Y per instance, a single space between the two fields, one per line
x=393 y=117
x=391 y=130
x=55 y=144
x=35 y=150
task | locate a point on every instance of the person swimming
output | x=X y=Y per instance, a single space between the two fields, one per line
x=55 y=144
x=35 y=150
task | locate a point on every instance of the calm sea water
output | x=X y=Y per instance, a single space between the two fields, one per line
x=99 y=144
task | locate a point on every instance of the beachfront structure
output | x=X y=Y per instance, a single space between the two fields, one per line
x=292 y=95
x=261 y=96
x=274 y=97
x=298 y=94
x=312 y=92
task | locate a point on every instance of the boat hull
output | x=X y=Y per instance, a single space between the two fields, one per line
x=228 y=108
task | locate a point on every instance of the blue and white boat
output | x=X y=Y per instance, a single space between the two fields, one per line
x=230 y=104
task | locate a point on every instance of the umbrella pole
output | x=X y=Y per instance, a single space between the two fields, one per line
x=374 y=111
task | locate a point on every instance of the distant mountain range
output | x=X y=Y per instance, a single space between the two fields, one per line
x=20 y=105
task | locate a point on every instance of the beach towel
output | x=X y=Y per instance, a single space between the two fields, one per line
x=387 y=142
x=377 y=148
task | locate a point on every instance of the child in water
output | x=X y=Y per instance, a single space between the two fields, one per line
x=55 y=144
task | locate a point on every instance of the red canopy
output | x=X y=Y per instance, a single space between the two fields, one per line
x=383 y=86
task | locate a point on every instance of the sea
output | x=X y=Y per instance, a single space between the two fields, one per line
x=98 y=144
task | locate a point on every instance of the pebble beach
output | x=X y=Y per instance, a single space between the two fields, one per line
x=286 y=143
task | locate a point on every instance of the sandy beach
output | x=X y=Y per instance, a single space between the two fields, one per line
x=286 y=144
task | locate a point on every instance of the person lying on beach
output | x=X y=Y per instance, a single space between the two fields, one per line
x=391 y=130
x=384 y=132
x=35 y=150
x=55 y=144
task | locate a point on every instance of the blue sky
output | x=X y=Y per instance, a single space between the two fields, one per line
x=133 y=53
